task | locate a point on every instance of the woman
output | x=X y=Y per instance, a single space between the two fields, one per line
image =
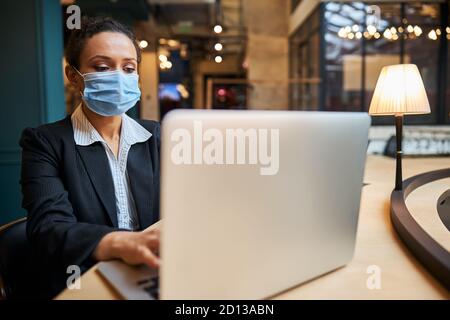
x=90 y=182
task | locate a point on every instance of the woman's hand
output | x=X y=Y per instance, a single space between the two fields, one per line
x=132 y=247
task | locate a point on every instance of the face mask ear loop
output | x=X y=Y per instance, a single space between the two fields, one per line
x=81 y=93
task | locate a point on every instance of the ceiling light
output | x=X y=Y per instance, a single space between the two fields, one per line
x=218 y=28
x=387 y=34
x=143 y=44
x=165 y=65
x=371 y=29
x=218 y=59
x=218 y=46
x=432 y=35
x=417 y=31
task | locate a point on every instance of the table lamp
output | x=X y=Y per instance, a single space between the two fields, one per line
x=399 y=91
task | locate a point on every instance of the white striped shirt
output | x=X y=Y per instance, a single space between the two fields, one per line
x=131 y=132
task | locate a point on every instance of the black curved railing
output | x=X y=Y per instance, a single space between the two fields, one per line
x=443 y=208
x=429 y=252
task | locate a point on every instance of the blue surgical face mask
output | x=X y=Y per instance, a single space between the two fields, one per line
x=110 y=93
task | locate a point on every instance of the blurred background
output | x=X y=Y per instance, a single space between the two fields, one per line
x=230 y=54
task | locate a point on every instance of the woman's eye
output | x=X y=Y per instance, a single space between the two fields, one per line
x=129 y=69
x=101 y=68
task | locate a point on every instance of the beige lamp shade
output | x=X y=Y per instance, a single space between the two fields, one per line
x=399 y=91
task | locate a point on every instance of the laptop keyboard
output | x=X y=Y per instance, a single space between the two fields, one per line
x=151 y=286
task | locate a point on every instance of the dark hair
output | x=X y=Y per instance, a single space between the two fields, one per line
x=90 y=26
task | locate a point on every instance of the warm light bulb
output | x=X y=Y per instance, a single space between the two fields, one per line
x=165 y=65
x=371 y=29
x=417 y=31
x=218 y=59
x=387 y=34
x=218 y=28
x=143 y=44
x=432 y=35
x=218 y=46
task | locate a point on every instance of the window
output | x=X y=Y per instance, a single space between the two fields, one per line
x=343 y=58
x=358 y=40
x=305 y=65
x=424 y=52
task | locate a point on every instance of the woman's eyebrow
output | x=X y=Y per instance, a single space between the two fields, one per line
x=100 y=56
x=109 y=58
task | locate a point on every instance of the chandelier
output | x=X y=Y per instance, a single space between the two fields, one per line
x=392 y=33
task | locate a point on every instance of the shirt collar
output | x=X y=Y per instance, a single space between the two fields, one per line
x=133 y=132
x=85 y=134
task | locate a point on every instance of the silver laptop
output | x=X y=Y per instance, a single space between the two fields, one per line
x=254 y=202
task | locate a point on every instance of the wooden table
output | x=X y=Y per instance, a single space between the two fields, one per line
x=377 y=244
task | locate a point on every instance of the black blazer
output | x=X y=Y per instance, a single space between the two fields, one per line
x=68 y=193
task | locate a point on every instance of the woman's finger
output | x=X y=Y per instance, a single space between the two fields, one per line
x=150 y=259
x=152 y=242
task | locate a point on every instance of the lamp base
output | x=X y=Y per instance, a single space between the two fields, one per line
x=399 y=138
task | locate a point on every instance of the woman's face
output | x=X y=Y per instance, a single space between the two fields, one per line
x=105 y=51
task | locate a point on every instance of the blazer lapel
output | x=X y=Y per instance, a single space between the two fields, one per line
x=140 y=173
x=97 y=166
